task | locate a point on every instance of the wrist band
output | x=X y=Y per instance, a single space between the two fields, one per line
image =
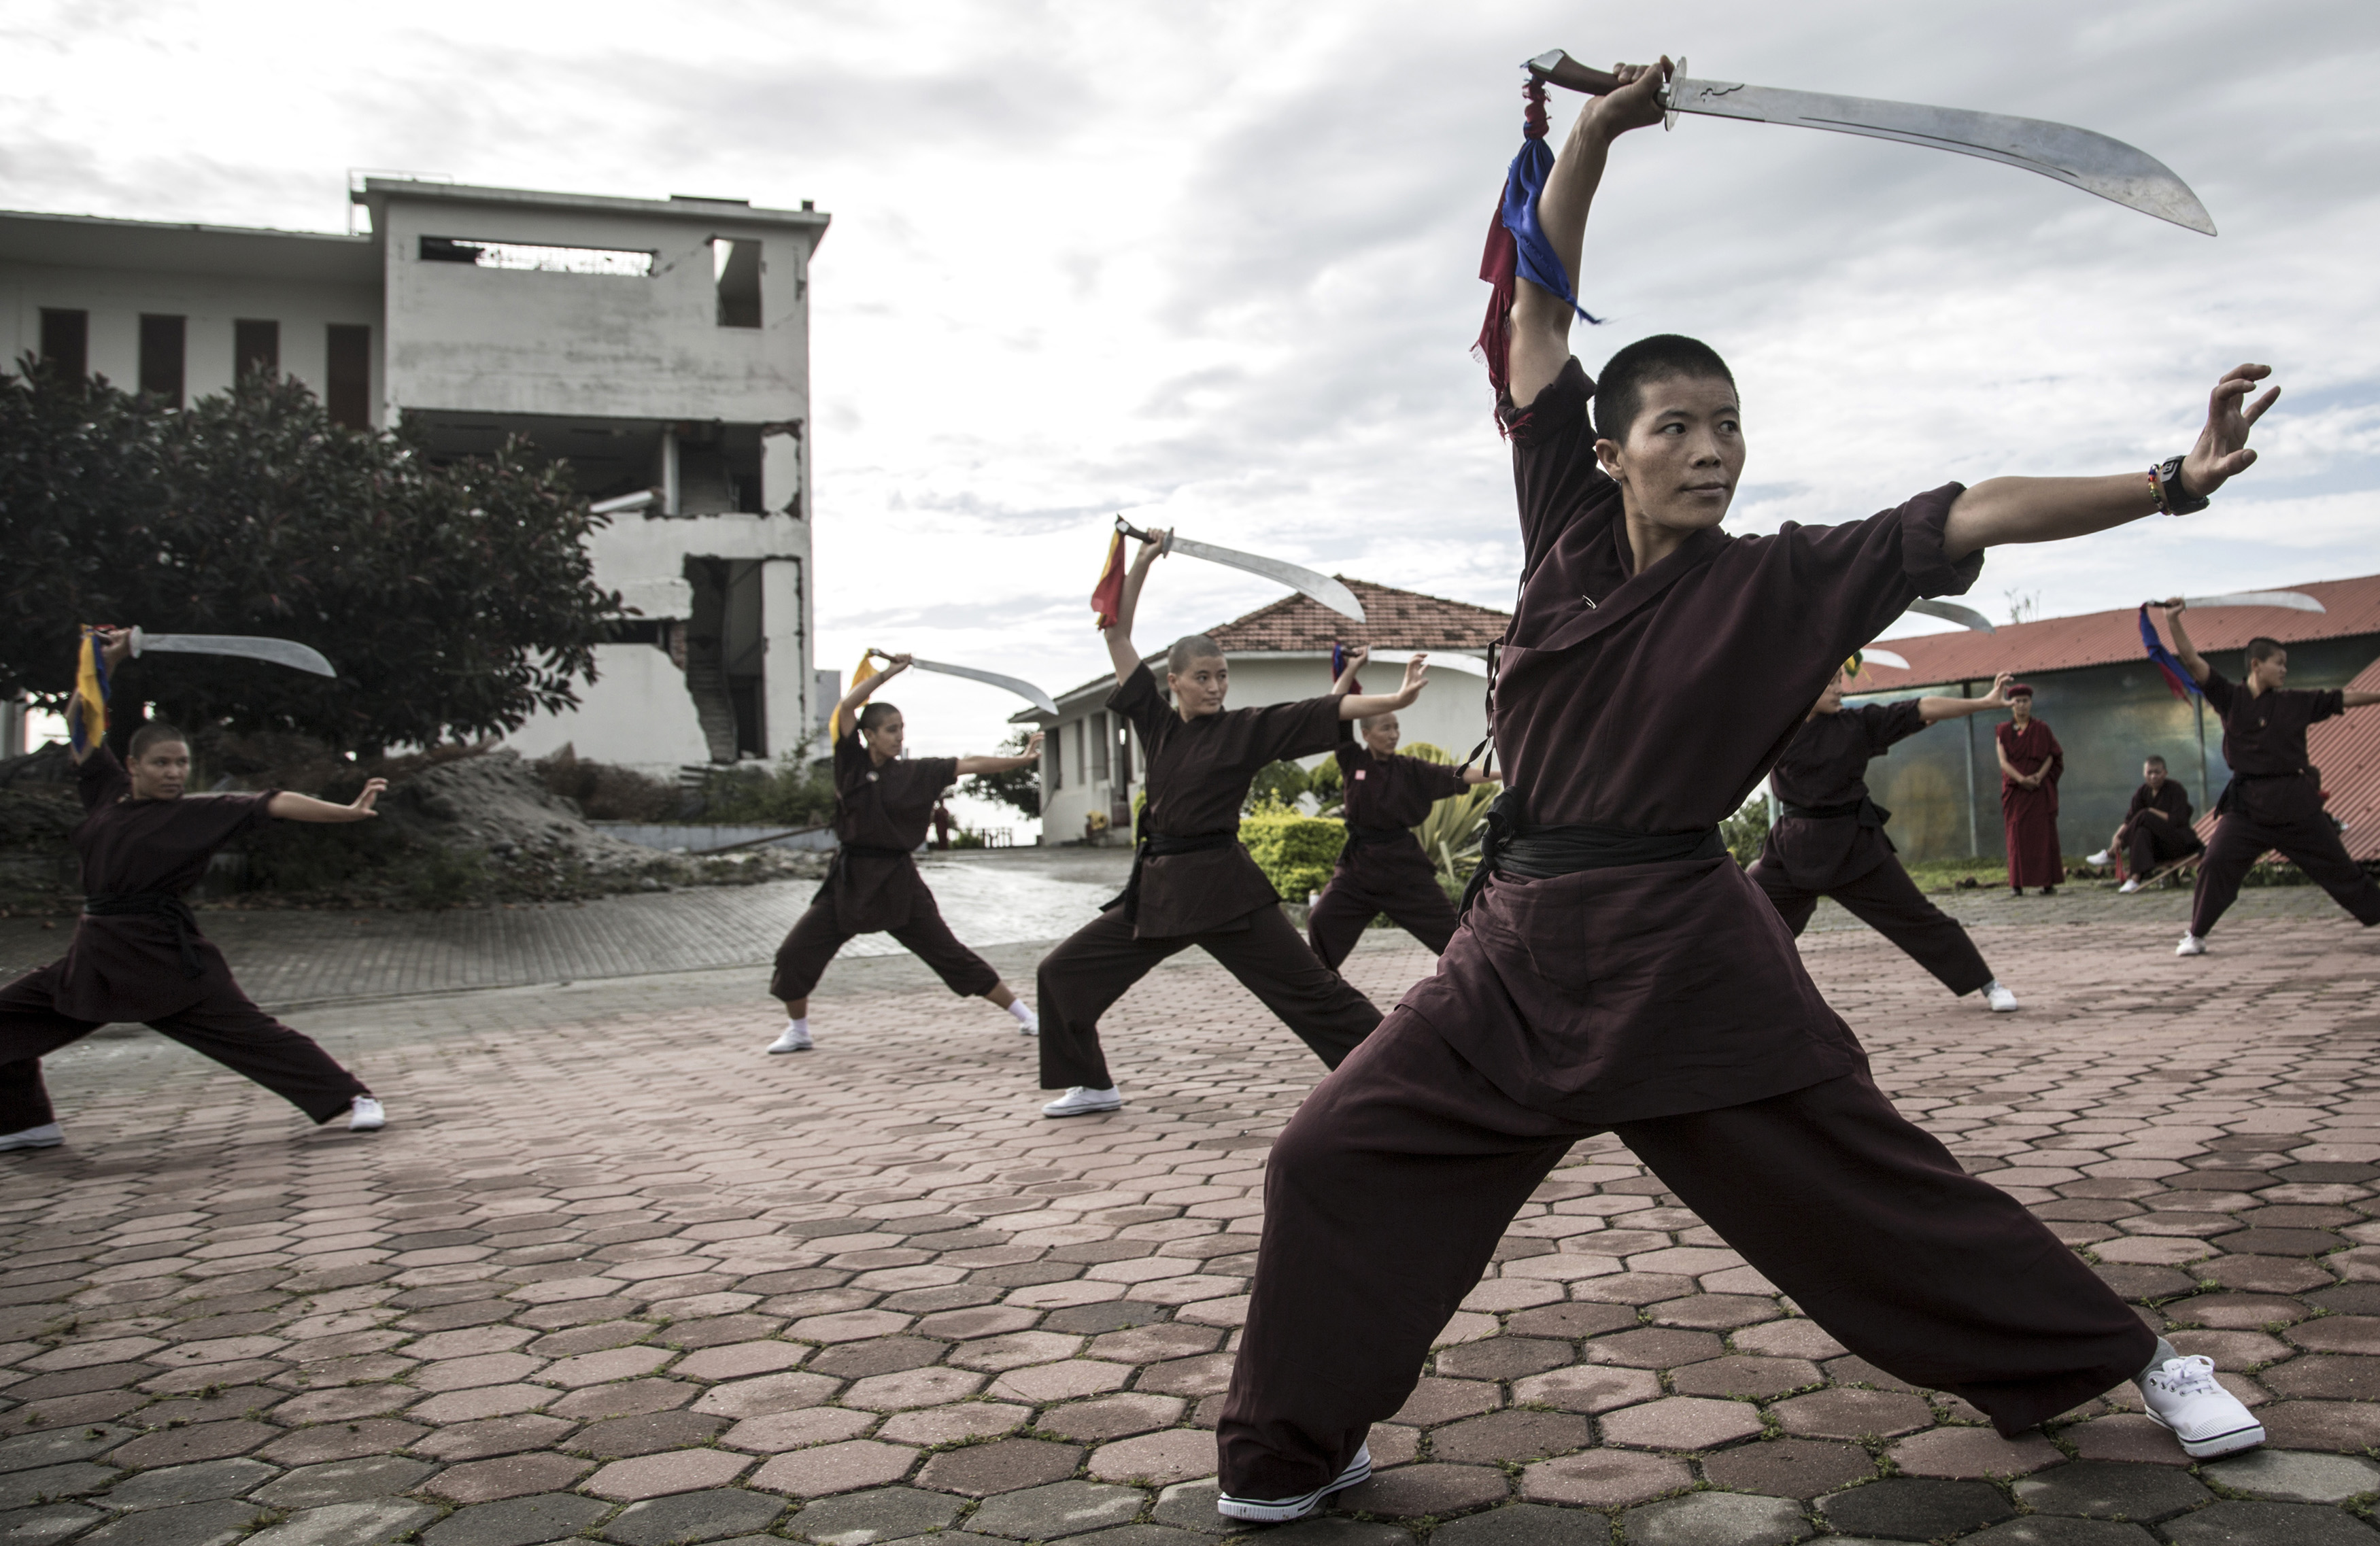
x=2165 y=487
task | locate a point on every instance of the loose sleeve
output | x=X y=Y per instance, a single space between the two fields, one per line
x=2218 y=689
x=1441 y=780
x=2326 y=705
x=1555 y=476
x=1282 y=731
x=1889 y=722
x=939 y=773
x=101 y=780
x=1138 y=701
x=851 y=759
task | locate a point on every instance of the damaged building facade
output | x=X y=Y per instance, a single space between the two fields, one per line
x=658 y=347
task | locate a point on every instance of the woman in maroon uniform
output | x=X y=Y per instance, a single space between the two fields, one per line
x=884 y=804
x=1620 y=973
x=1192 y=883
x=2274 y=800
x=2030 y=763
x=138 y=954
x=1829 y=839
x=1382 y=869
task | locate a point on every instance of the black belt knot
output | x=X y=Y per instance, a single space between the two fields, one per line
x=1359 y=835
x=1508 y=846
x=155 y=904
x=1162 y=846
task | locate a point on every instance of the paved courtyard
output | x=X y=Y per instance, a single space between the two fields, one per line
x=612 y=1273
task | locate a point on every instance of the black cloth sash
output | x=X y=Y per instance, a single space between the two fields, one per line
x=2228 y=800
x=124 y=904
x=1358 y=836
x=861 y=851
x=1510 y=847
x=1870 y=813
x=1162 y=846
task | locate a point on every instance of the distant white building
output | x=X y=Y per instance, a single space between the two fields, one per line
x=657 y=345
x=1278 y=654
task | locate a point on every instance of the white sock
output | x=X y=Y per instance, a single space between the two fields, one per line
x=1022 y=1010
x=799 y=1027
x=2163 y=1350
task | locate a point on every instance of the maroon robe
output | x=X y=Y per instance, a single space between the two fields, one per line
x=2033 y=855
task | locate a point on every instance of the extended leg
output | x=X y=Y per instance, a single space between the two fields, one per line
x=1887 y=901
x=2237 y=844
x=1423 y=912
x=802 y=959
x=1271 y=962
x=928 y=938
x=1339 y=918
x=246 y=1040
x=1883 y=1240
x=2313 y=847
x=29 y=1030
x=1793 y=904
x=1384 y=1198
x=1080 y=981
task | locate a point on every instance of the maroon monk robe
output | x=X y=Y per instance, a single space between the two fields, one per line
x=882 y=814
x=1212 y=895
x=1665 y=1002
x=1382 y=869
x=2274 y=800
x=2033 y=855
x=154 y=967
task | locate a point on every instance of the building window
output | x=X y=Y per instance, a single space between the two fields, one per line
x=1082 y=763
x=736 y=266
x=523 y=257
x=66 y=342
x=1124 y=752
x=160 y=357
x=348 y=381
x=1098 y=748
x=256 y=349
x=1054 y=748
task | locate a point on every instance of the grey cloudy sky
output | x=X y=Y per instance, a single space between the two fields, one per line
x=1214 y=265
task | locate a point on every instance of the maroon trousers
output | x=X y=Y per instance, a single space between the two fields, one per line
x=225 y=1027
x=1359 y=892
x=2304 y=837
x=1387 y=1193
x=1887 y=901
x=2149 y=842
x=815 y=936
x=1082 y=979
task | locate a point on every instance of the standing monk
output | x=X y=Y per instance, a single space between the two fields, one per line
x=2274 y=800
x=1829 y=842
x=1192 y=883
x=1618 y=973
x=2030 y=763
x=2157 y=828
x=1382 y=869
x=882 y=805
x=138 y=954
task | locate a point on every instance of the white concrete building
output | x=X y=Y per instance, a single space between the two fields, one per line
x=1278 y=654
x=657 y=345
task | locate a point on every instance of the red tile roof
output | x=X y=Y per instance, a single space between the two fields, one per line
x=2098 y=638
x=1395 y=619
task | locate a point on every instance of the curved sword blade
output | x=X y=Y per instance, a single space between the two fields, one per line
x=278 y=652
x=2094 y=162
x=2295 y=600
x=1884 y=658
x=1950 y=611
x=1017 y=685
x=1321 y=587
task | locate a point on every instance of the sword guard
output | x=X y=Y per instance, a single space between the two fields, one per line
x=137 y=637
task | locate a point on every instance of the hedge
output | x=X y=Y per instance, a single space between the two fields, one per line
x=1296 y=852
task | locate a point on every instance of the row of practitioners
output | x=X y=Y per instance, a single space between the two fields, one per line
x=1616 y=971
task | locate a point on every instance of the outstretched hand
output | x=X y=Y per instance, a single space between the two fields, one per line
x=1636 y=105
x=1417 y=678
x=1998 y=696
x=2222 y=450
x=363 y=804
x=2171 y=606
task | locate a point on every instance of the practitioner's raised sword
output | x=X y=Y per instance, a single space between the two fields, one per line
x=2076 y=157
x=1321 y=587
x=1950 y=611
x=2295 y=600
x=1883 y=657
x=1015 y=684
x=278 y=652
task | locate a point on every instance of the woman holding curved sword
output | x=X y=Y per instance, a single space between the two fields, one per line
x=884 y=804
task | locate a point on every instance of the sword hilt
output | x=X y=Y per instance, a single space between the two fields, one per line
x=1130 y=530
x=1557 y=68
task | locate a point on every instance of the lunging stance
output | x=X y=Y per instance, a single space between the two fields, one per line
x=1382 y=869
x=138 y=954
x=1192 y=883
x=1830 y=840
x=883 y=804
x=2274 y=800
x=1618 y=972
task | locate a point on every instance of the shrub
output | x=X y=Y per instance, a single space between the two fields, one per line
x=1747 y=831
x=788 y=792
x=1276 y=783
x=605 y=791
x=1295 y=852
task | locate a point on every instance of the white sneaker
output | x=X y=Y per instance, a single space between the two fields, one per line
x=2183 y=1395
x=47 y=1136
x=2191 y=946
x=366 y=1115
x=2128 y=887
x=2001 y=1000
x=795 y=1039
x=2100 y=859
x=1280 y=1511
x=1081 y=1101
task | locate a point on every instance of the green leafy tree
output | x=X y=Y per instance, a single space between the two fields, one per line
x=454 y=600
x=1020 y=787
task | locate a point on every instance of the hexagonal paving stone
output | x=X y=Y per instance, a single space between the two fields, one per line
x=2102 y=1490
x=1051 y=1512
x=1789 y=1468
x=1155 y=1460
x=693 y=1516
x=956 y=1424
x=1973 y=1453
x=365 y=1522
x=1851 y=1414
x=183 y=1484
x=1605 y=1479
x=343 y=1481
x=830 y=1468
x=677 y=1470
x=1737 y=1374
x=2051 y=1529
x=1502 y=1436
x=1681 y=1422
x=1912 y=1509
x=1410 y=1492
x=2268 y=1524
x=1435 y=1401
x=1586 y=1389
x=2281 y=1475
x=886 y=1514
x=514 y=1476
x=1003 y=1466
x=517 y=1521
x=1112 y=1416
x=1503 y=1358
x=1715 y=1519
x=1524 y=1525
x=1654 y=1348
x=1572 y=1321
